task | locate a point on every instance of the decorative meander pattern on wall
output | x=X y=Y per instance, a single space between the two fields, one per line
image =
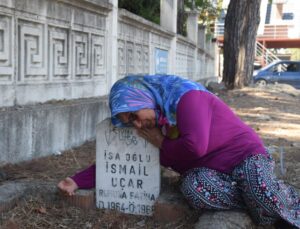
x=6 y=49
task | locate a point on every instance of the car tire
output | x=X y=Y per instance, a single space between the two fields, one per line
x=261 y=83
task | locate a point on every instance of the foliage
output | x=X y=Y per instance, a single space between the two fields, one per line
x=148 y=9
x=295 y=54
x=208 y=10
x=181 y=18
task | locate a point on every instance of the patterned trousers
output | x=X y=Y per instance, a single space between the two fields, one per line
x=252 y=186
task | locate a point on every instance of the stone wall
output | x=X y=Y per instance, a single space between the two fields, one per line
x=138 y=40
x=52 y=51
x=33 y=131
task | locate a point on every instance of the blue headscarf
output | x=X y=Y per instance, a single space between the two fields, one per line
x=158 y=92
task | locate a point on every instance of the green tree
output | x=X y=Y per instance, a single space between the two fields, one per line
x=208 y=12
x=295 y=54
x=148 y=9
x=181 y=17
x=241 y=23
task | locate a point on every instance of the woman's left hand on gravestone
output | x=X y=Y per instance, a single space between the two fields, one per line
x=67 y=186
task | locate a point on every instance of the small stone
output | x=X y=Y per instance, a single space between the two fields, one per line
x=295 y=144
x=224 y=220
x=88 y=225
x=141 y=223
x=264 y=118
x=3 y=176
x=171 y=207
x=57 y=152
x=241 y=94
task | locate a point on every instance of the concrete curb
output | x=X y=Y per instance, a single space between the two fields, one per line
x=13 y=192
x=169 y=207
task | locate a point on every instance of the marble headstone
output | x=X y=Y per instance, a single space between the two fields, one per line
x=127 y=170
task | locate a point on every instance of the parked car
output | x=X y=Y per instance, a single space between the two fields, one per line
x=287 y=72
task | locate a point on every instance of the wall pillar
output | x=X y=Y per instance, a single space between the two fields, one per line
x=192 y=34
x=112 y=45
x=168 y=15
x=201 y=37
x=192 y=25
x=168 y=20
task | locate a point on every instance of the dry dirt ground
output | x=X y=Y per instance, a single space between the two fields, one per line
x=274 y=112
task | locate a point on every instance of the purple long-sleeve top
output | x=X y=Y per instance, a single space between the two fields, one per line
x=210 y=135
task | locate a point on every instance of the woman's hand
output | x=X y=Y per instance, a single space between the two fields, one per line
x=67 y=186
x=154 y=136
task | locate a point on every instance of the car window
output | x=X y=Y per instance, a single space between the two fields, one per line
x=292 y=67
x=273 y=68
x=281 y=67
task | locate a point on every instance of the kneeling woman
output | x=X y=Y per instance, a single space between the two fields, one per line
x=223 y=162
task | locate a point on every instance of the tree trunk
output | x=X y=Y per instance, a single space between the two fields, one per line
x=241 y=23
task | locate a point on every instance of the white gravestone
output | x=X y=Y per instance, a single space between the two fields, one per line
x=127 y=170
